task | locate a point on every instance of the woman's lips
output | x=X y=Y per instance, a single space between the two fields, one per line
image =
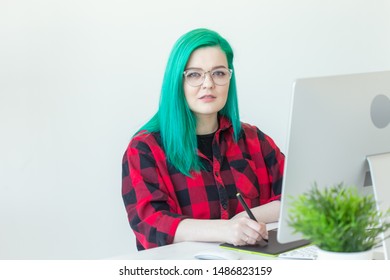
x=207 y=98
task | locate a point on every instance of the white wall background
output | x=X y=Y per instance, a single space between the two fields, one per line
x=78 y=77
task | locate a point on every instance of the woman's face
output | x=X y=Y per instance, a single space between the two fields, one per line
x=208 y=98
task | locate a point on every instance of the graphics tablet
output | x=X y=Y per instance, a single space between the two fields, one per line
x=273 y=247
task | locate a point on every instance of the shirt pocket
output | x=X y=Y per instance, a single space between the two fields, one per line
x=245 y=178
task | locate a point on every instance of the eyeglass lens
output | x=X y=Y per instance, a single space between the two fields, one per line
x=220 y=76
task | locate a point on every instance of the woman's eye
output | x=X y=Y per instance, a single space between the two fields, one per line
x=219 y=73
x=194 y=75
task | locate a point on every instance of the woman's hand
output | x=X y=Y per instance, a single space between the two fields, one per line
x=241 y=230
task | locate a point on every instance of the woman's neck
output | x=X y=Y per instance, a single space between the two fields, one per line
x=206 y=124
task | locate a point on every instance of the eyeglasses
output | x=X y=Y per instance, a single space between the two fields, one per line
x=220 y=76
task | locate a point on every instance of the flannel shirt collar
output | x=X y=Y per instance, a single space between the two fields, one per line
x=224 y=123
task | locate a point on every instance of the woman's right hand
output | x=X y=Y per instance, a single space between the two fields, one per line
x=241 y=230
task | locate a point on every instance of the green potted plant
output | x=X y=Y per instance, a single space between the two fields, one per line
x=338 y=219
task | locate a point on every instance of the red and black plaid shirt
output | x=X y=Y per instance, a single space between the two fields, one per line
x=157 y=196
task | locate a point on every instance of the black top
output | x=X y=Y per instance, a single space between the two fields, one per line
x=205 y=144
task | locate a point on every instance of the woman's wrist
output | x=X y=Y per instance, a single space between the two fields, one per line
x=202 y=230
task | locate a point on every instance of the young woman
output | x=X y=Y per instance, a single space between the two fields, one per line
x=183 y=168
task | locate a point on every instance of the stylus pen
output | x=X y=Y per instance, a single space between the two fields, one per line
x=248 y=211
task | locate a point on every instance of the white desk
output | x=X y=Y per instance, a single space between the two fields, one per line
x=187 y=250
x=181 y=251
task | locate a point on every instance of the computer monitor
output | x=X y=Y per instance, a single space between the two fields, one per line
x=335 y=123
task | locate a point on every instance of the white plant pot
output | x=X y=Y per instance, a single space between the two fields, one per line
x=327 y=255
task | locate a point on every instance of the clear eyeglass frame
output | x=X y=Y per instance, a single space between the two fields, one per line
x=220 y=81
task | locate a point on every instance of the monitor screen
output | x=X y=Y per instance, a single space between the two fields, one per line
x=335 y=123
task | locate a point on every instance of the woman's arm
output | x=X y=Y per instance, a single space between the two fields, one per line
x=237 y=231
x=267 y=213
x=153 y=213
x=240 y=230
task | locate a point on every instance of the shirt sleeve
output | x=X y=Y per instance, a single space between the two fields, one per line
x=153 y=212
x=274 y=161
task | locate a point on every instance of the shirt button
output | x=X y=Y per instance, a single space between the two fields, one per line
x=216 y=173
x=224 y=206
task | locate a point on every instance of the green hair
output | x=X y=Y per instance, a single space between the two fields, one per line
x=174 y=119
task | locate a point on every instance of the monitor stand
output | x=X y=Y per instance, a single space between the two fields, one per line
x=380 y=175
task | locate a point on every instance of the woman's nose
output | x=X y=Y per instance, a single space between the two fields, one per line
x=208 y=80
